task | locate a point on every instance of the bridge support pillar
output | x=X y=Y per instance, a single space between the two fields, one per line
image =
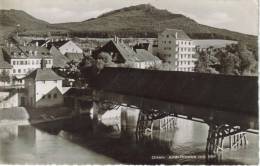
x=168 y=123
x=144 y=125
x=216 y=138
x=76 y=110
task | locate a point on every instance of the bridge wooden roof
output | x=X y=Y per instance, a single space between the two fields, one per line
x=225 y=92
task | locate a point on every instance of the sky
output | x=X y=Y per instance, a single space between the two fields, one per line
x=236 y=15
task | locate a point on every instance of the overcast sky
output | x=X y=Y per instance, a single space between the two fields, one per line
x=237 y=15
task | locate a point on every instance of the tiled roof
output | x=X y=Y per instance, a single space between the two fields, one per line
x=141 y=46
x=129 y=55
x=41 y=51
x=27 y=52
x=77 y=57
x=180 y=33
x=44 y=74
x=145 y=55
x=57 y=44
x=40 y=42
x=3 y=63
x=59 y=60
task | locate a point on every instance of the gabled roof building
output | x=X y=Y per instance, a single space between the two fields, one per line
x=122 y=55
x=44 y=88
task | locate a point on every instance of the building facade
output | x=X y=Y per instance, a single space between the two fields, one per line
x=44 y=88
x=178 y=48
x=24 y=60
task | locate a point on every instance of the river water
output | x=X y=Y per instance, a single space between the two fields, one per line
x=183 y=145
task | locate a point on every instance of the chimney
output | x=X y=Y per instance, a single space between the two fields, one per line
x=176 y=35
x=37 y=44
x=43 y=63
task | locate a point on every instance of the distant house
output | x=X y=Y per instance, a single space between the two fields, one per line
x=124 y=56
x=63 y=51
x=65 y=46
x=44 y=88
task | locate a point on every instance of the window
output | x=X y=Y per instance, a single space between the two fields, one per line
x=13 y=62
x=55 y=96
x=32 y=62
x=170 y=42
x=49 y=96
x=21 y=62
x=14 y=71
x=19 y=70
x=24 y=70
x=167 y=36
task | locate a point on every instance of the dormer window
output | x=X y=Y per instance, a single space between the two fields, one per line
x=35 y=53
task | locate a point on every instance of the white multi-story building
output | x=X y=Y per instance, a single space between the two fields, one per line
x=25 y=59
x=179 y=48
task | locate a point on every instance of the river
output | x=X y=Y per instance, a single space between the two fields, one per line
x=43 y=145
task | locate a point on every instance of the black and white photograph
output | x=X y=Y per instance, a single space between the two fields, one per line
x=129 y=82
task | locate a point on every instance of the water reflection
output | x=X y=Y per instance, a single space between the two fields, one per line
x=64 y=143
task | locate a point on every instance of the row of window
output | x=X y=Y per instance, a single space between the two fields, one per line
x=167 y=48
x=164 y=42
x=178 y=42
x=49 y=96
x=185 y=63
x=184 y=56
x=185 y=69
x=28 y=62
x=183 y=42
x=19 y=71
x=185 y=49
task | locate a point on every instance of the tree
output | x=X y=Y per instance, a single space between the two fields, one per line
x=248 y=62
x=203 y=62
x=4 y=77
x=230 y=64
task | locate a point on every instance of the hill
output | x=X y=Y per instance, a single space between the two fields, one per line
x=134 y=21
x=16 y=20
x=146 y=21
